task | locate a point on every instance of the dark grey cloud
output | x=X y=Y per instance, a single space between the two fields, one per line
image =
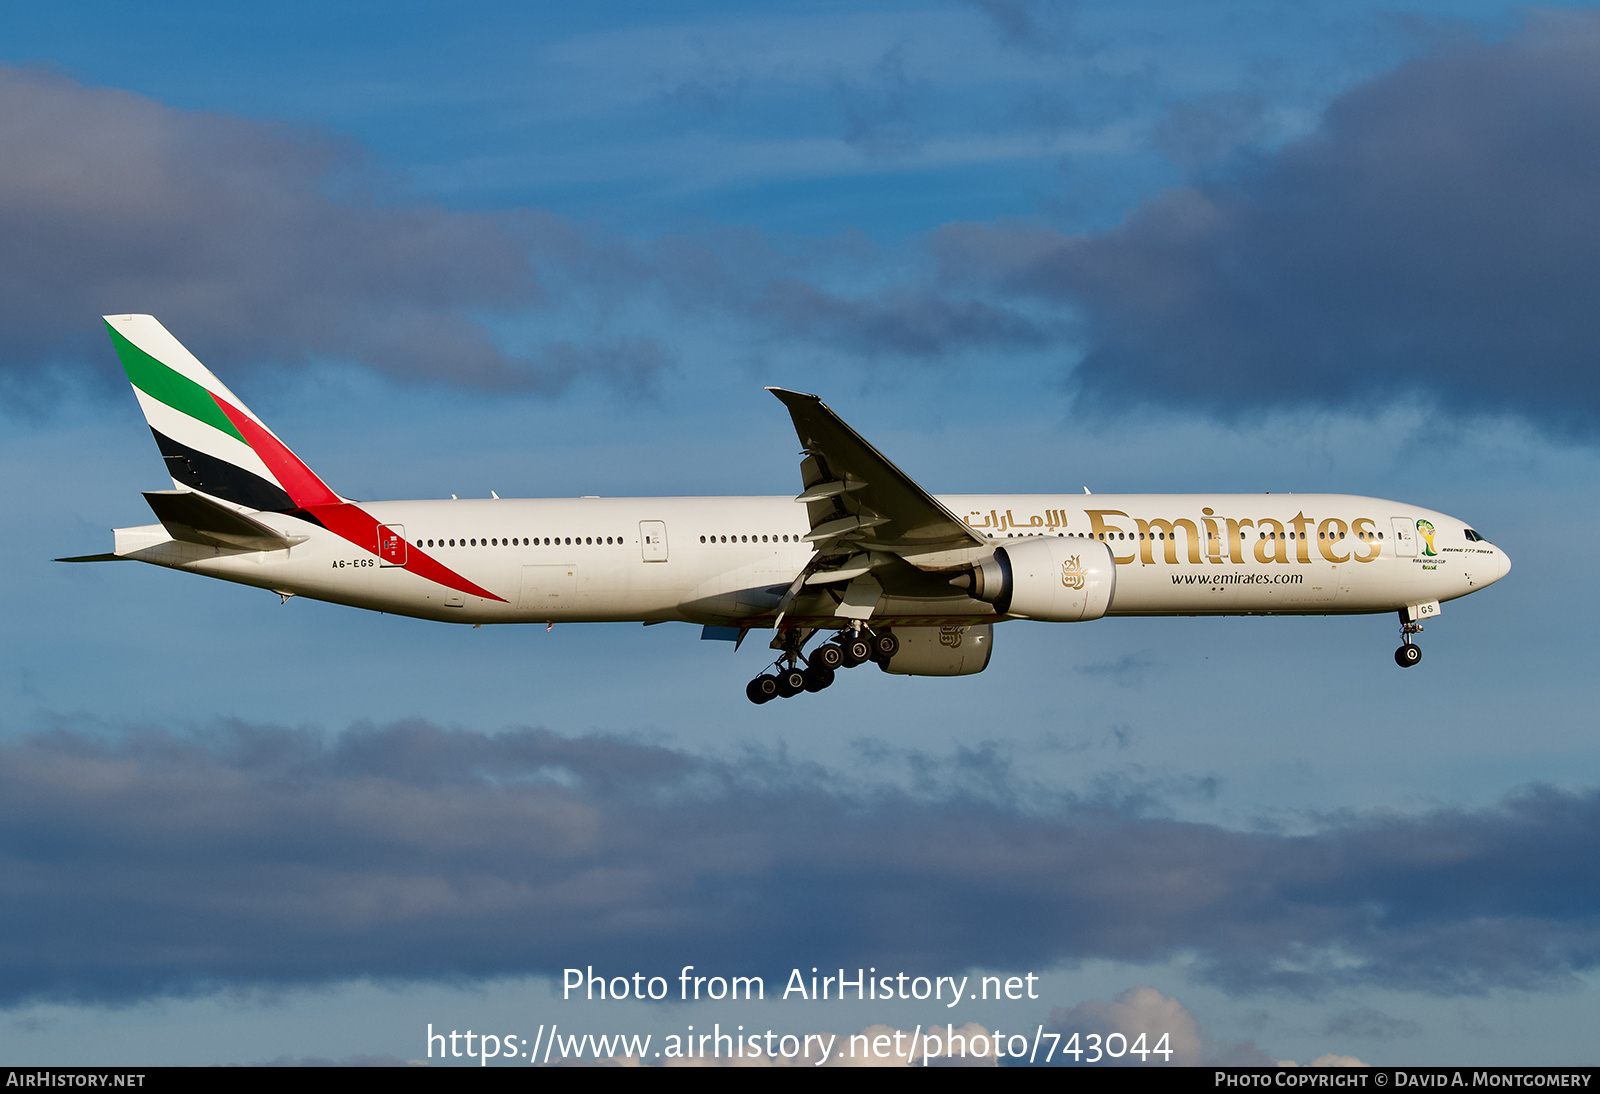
x=1044 y=28
x=1437 y=236
x=257 y=242
x=268 y=244
x=146 y=862
x=1201 y=132
x=914 y=324
x=878 y=112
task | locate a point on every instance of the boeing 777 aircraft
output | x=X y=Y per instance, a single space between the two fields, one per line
x=864 y=556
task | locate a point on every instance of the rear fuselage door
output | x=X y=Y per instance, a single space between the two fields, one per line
x=1405 y=537
x=391 y=545
x=653 y=540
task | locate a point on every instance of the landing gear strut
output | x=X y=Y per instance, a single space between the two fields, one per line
x=1408 y=654
x=790 y=674
x=794 y=671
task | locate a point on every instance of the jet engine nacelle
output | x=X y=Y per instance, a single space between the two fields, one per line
x=1054 y=579
x=942 y=651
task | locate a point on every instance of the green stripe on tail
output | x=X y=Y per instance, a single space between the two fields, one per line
x=170 y=387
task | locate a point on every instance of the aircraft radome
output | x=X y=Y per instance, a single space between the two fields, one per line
x=864 y=556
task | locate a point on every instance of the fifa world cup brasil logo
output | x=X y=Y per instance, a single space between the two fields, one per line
x=1425 y=530
x=1072 y=573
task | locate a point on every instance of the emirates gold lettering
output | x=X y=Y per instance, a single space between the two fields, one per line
x=1366 y=535
x=1099 y=529
x=1329 y=532
x=1302 y=549
x=1236 y=534
x=1169 y=529
x=1271 y=542
x=1275 y=542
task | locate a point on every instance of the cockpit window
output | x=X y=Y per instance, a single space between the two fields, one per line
x=1473 y=537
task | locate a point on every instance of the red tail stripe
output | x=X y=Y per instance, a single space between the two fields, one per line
x=301 y=483
x=351 y=522
x=339 y=517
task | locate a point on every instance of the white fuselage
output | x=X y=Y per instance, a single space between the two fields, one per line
x=727 y=561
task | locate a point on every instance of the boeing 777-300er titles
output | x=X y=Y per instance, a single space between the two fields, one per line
x=864 y=555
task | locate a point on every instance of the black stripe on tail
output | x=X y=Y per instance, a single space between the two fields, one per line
x=219 y=478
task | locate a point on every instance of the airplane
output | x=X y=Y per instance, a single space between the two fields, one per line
x=864 y=556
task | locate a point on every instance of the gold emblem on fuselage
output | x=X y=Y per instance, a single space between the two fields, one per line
x=951 y=636
x=1072 y=575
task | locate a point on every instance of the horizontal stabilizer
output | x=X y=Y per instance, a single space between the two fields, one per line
x=194 y=518
x=92 y=558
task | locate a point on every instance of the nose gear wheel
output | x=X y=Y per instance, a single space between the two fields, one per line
x=1408 y=654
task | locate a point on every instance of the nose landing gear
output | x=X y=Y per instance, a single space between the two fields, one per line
x=795 y=672
x=1408 y=654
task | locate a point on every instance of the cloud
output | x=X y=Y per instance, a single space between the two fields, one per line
x=142 y=863
x=912 y=324
x=1435 y=237
x=878 y=117
x=1043 y=28
x=1198 y=133
x=1127 y=671
x=259 y=242
x=1371 y=1025
x=1153 y=1022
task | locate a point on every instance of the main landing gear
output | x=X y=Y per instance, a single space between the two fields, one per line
x=1408 y=654
x=794 y=671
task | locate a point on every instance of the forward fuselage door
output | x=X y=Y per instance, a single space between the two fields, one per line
x=1405 y=537
x=391 y=545
x=653 y=540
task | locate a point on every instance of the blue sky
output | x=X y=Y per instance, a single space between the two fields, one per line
x=1021 y=247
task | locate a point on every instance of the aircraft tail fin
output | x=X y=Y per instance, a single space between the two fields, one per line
x=210 y=440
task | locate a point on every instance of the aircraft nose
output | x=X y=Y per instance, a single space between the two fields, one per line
x=1503 y=561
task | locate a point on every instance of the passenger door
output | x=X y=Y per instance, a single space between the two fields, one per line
x=391 y=545
x=653 y=540
x=1405 y=537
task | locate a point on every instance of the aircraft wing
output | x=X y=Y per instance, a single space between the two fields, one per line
x=867 y=516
